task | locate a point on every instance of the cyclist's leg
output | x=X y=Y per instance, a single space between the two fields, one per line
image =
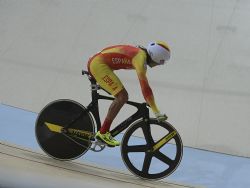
x=105 y=76
x=110 y=82
x=120 y=99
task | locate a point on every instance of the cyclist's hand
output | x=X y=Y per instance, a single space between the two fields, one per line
x=161 y=117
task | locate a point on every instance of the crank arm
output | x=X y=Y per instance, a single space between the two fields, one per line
x=97 y=146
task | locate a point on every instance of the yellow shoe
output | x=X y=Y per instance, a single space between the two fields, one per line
x=107 y=138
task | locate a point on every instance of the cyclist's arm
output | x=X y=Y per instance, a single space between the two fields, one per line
x=147 y=91
x=145 y=87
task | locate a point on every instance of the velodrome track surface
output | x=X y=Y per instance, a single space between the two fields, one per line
x=24 y=168
x=209 y=169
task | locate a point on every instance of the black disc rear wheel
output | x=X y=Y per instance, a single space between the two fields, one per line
x=57 y=115
x=151 y=150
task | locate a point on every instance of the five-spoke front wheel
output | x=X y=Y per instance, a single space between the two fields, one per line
x=151 y=150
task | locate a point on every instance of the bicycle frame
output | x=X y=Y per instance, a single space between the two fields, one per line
x=77 y=128
x=93 y=107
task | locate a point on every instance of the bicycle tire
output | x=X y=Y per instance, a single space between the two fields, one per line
x=57 y=145
x=142 y=167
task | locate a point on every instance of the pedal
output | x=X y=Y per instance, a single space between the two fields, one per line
x=97 y=146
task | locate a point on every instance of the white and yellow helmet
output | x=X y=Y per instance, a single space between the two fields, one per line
x=159 y=52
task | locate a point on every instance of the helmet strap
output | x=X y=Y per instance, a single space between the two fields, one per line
x=148 y=60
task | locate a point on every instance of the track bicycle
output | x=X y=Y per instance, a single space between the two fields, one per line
x=65 y=130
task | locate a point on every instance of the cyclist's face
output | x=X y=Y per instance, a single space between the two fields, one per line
x=151 y=63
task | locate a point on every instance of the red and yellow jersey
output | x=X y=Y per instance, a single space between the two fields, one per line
x=123 y=57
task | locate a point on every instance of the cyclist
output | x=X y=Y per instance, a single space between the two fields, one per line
x=102 y=66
